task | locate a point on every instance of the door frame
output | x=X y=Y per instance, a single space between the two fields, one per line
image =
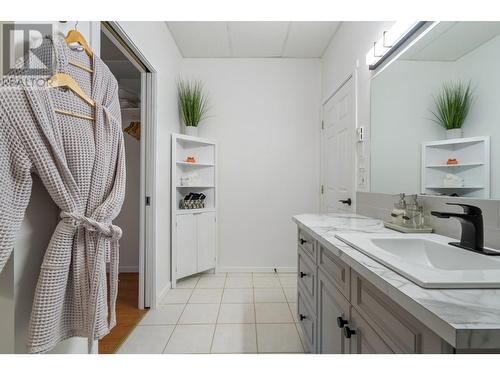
x=147 y=204
x=351 y=77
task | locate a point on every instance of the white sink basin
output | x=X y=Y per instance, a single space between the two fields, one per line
x=428 y=260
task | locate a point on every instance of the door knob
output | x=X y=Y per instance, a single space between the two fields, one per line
x=302 y=317
x=302 y=241
x=341 y=322
x=347 y=201
x=303 y=274
x=348 y=332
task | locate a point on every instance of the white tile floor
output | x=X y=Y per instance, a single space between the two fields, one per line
x=222 y=313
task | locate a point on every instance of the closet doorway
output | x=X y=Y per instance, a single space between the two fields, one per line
x=136 y=94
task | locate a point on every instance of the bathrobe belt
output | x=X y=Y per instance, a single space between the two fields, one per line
x=107 y=232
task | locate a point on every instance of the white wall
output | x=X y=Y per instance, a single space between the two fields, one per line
x=344 y=56
x=481 y=68
x=266 y=116
x=162 y=52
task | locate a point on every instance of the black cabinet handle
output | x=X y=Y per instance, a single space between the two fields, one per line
x=348 y=332
x=347 y=201
x=302 y=241
x=303 y=274
x=302 y=317
x=341 y=322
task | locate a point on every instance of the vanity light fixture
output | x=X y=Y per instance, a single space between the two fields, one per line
x=391 y=39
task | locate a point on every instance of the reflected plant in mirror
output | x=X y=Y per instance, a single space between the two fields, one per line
x=452 y=107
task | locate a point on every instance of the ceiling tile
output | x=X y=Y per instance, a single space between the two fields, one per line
x=257 y=39
x=309 y=39
x=201 y=39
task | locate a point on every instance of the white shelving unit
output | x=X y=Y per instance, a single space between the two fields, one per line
x=194 y=231
x=473 y=156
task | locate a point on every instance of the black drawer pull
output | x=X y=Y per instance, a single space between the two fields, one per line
x=302 y=241
x=348 y=332
x=341 y=322
x=302 y=317
x=303 y=274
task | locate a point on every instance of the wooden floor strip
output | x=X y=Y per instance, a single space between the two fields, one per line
x=127 y=313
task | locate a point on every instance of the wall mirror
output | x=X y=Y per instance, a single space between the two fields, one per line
x=412 y=153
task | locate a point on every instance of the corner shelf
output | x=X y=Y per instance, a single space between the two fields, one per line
x=473 y=155
x=454 y=165
x=193 y=231
x=194 y=211
x=185 y=163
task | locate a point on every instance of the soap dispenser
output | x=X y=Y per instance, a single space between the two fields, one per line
x=399 y=210
x=414 y=217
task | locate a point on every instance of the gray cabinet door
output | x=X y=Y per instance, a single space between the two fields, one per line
x=307 y=320
x=331 y=306
x=364 y=340
x=307 y=275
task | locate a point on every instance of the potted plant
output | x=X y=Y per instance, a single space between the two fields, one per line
x=452 y=107
x=193 y=105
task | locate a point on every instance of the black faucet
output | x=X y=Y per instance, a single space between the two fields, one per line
x=472 y=228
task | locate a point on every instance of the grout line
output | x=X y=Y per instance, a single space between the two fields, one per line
x=178 y=319
x=217 y=319
x=293 y=320
x=255 y=315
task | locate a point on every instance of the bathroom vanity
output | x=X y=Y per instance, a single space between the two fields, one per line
x=349 y=303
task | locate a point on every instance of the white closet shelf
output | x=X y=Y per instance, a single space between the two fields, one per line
x=195 y=164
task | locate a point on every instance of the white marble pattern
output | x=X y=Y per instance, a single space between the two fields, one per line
x=464 y=318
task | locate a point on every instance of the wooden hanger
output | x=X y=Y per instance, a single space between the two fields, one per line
x=74 y=36
x=66 y=81
x=134 y=129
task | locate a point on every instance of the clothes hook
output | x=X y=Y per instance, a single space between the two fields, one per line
x=76 y=25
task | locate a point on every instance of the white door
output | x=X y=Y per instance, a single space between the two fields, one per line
x=206 y=241
x=337 y=154
x=186 y=245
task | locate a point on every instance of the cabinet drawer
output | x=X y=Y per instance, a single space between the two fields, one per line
x=306 y=278
x=398 y=328
x=365 y=339
x=332 y=305
x=308 y=244
x=338 y=271
x=307 y=321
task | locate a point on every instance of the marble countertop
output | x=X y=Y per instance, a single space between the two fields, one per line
x=465 y=318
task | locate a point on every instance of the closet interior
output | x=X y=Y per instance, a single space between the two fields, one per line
x=129 y=82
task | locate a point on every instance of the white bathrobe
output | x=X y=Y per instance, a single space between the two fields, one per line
x=82 y=165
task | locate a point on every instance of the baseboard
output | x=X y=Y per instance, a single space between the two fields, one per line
x=162 y=294
x=258 y=269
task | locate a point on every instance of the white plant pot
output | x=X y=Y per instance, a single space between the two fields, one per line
x=190 y=130
x=454 y=133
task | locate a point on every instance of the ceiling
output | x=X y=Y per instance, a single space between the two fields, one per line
x=253 y=39
x=449 y=41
